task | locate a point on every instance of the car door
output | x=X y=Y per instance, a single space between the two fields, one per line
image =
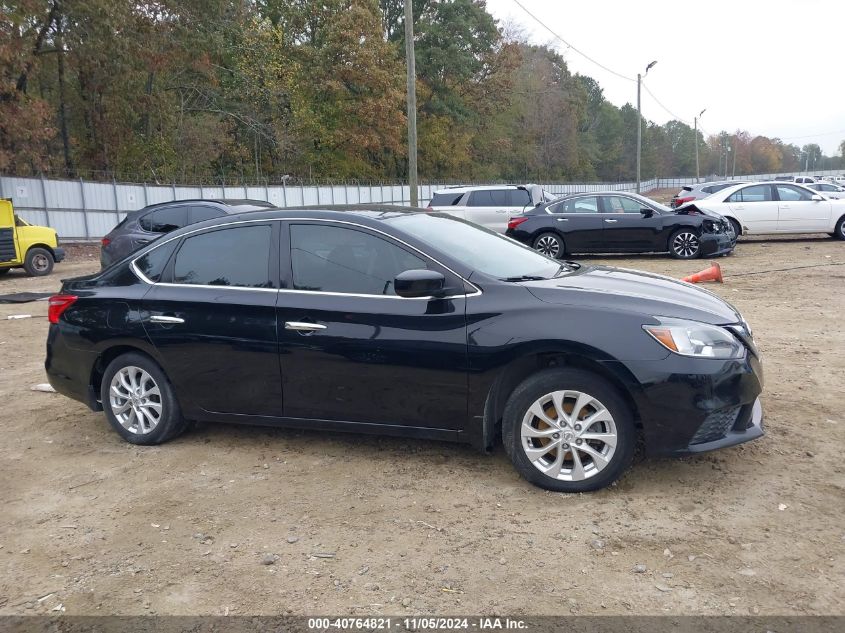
x=8 y=233
x=351 y=350
x=797 y=211
x=755 y=207
x=580 y=220
x=212 y=319
x=490 y=208
x=626 y=228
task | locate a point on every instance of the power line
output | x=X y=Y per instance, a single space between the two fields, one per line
x=789 y=138
x=582 y=53
x=672 y=114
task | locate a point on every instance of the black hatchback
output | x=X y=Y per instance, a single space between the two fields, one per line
x=401 y=322
x=617 y=222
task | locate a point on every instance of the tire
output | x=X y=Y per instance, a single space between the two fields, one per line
x=839 y=231
x=153 y=427
x=38 y=262
x=550 y=245
x=600 y=398
x=737 y=227
x=685 y=244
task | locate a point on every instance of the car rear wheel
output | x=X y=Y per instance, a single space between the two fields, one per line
x=568 y=430
x=685 y=244
x=38 y=262
x=139 y=400
x=550 y=245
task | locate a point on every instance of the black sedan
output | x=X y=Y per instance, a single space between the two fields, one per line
x=401 y=322
x=615 y=222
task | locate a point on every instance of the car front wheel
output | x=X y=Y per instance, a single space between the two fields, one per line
x=685 y=244
x=568 y=430
x=839 y=232
x=550 y=245
x=139 y=400
x=38 y=262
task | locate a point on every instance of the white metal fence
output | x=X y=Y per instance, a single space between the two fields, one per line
x=85 y=210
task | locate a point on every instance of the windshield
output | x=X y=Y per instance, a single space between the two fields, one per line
x=478 y=248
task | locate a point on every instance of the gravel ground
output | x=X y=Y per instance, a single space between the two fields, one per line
x=236 y=520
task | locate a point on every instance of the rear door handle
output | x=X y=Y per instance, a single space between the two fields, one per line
x=161 y=318
x=562 y=219
x=302 y=326
x=611 y=221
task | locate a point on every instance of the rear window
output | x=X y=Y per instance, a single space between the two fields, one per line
x=445 y=199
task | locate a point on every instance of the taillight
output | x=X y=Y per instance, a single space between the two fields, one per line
x=57 y=304
x=515 y=222
x=105 y=241
x=681 y=201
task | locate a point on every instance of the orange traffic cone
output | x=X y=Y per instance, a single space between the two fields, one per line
x=714 y=273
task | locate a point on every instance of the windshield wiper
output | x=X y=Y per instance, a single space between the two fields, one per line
x=525 y=278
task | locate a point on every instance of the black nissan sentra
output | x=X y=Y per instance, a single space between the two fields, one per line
x=402 y=322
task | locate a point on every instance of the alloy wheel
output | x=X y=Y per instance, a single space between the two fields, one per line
x=547 y=245
x=135 y=400
x=685 y=244
x=568 y=435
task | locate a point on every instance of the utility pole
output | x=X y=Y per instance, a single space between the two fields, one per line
x=412 y=102
x=733 y=170
x=640 y=123
x=695 y=121
x=727 y=157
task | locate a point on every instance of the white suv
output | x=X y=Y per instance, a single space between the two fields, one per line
x=491 y=206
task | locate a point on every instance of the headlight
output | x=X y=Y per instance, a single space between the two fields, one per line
x=690 y=338
x=712 y=227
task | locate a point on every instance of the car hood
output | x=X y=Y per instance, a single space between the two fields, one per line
x=693 y=208
x=635 y=291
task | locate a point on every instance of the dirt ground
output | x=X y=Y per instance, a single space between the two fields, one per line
x=365 y=525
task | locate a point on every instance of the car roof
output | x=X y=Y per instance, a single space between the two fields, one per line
x=229 y=202
x=467 y=188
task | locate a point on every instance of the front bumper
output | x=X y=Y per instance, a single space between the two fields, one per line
x=58 y=254
x=692 y=405
x=713 y=244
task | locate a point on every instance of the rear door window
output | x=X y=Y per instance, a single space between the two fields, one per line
x=165 y=220
x=754 y=193
x=620 y=204
x=483 y=198
x=585 y=204
x=237 y=257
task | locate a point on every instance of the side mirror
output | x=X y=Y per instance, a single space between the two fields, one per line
x=817 y=198
x=419 y=283
x=646 y=212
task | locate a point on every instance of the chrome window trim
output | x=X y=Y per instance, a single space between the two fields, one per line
x=476 y=290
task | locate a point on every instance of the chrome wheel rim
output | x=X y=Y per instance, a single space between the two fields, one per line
x=685 y=244
x=568 y=435
x=40 y=263
x=135 y=400
x=547 y=245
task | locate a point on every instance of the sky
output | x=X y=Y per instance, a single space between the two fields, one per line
x=771 y=67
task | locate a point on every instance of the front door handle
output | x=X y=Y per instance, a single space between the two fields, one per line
x=611 y=221
x=161 y=318
x=302 y=326
x=562 y=219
